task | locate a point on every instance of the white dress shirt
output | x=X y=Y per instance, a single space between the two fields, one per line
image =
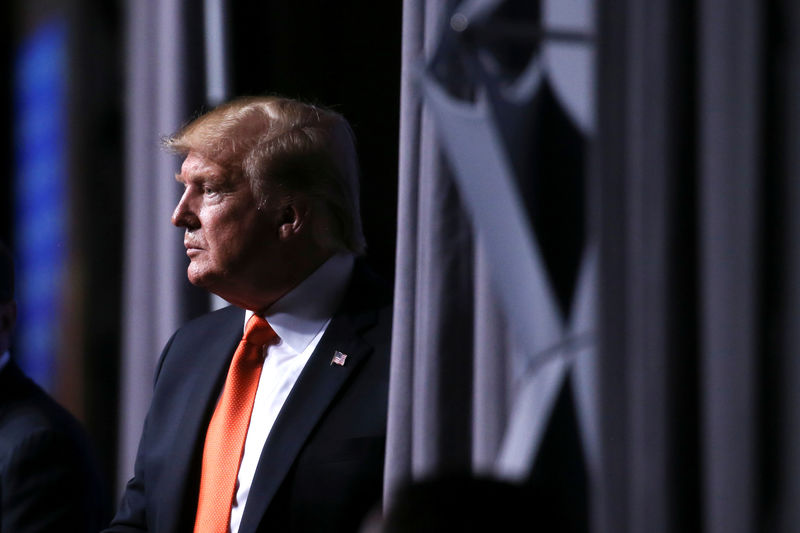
x=300 y=318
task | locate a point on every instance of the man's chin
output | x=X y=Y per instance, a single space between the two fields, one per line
x=203 y=279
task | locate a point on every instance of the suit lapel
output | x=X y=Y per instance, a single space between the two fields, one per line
x=210 y=368
x=314 y=391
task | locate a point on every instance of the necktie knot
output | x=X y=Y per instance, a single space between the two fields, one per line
x=258 y=332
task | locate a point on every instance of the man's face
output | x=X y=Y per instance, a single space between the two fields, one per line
x=230 y=243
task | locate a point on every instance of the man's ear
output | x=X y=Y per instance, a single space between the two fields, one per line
x=293 y=218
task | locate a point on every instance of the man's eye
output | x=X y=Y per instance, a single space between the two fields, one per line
x=208 y=191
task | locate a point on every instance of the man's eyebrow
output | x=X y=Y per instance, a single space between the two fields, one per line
x=206 y=178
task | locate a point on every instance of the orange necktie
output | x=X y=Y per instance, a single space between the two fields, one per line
x=226 y=433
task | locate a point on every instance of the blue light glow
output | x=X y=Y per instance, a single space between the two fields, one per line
x=40 y=218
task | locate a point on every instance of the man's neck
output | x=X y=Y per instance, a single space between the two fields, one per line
x=258 y=298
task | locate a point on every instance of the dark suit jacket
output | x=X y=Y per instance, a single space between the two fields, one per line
x=49 y=481
x=321 y=468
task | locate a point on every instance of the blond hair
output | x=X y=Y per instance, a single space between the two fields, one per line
x=287 y=147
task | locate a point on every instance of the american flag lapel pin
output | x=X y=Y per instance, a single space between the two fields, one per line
x=338 y=358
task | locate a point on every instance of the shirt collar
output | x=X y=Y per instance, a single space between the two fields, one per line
x=301 y=313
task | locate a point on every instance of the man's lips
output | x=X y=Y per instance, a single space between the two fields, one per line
x=191 y=249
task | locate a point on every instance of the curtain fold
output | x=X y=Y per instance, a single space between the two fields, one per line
x=490 y=397
x=696 y=189
x=162 y=89
x=487 y=335
x=783 y=148
x=398 y=450
x=731 y=173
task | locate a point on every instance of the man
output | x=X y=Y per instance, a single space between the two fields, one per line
x=271 y=224
x=49 y=481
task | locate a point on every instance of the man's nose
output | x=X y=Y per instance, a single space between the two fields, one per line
x=183 y=216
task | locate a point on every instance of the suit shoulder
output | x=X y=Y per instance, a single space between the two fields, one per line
x=207 y=335
x=367 y=283
x=29 y=415
x=48 y=464
x=203 y=328
x=227 y=315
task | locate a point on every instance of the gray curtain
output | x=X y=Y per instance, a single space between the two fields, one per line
x=696 y=181
x=674 y=333
x=489 y=338
x=164 y=83
x=151 y=250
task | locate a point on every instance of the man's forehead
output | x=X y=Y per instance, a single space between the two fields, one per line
x=198 y=165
